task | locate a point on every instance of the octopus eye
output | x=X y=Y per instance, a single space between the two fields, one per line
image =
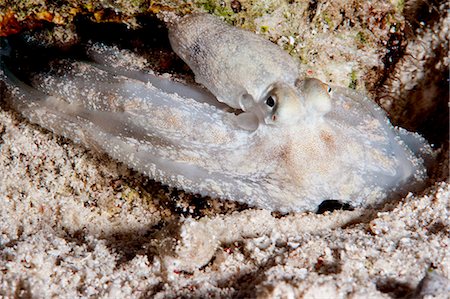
x=270 y=102
x=329 y=89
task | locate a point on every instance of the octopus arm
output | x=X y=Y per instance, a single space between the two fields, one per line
x=178 y=141
x=110 y=59
x=396 y=156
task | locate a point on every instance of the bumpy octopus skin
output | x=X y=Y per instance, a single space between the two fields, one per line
x=347 y=151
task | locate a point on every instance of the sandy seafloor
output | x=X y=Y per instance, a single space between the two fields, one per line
x=67 y=232
x=75 y=223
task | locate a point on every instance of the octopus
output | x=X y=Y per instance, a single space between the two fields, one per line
x=256 y=131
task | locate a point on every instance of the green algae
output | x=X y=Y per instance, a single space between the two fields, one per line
x=353 y=80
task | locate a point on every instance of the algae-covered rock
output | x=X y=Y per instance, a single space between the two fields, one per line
x=341 y=42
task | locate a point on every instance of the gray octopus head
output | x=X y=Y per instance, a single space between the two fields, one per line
x=285 y=105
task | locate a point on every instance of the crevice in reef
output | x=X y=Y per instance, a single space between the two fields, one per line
x=393 y=288
x=415 y=91
x=149 y=40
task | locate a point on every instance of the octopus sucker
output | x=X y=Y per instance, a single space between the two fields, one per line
x=333 y=143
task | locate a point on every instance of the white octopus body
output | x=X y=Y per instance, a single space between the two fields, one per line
x=351 y=153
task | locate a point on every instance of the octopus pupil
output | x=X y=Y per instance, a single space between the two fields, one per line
x=270 y=102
